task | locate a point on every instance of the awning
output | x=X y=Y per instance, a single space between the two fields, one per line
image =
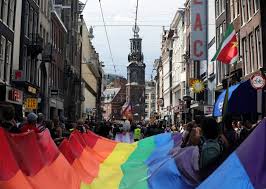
x=242 y=99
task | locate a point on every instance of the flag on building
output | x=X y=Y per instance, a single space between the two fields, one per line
x=227 y=52
x=127 y=110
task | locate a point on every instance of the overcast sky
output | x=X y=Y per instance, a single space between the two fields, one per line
x=122 y=12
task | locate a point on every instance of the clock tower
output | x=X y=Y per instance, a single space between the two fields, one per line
x=135 y=89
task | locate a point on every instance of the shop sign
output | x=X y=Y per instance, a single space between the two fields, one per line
x=257 y=81
x=208 y=110
x=54 y=92
x=13 y=95
x=32 y=90
x=198 y=86
x=32 y=103
x=18 y=75
x=198 y=29
x=160 y=102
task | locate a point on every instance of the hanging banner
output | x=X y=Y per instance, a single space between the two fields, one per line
x=198 y=21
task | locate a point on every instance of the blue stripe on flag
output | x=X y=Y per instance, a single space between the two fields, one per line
x=231 y=174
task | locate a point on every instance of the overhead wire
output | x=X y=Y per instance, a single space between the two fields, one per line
x=107 y=37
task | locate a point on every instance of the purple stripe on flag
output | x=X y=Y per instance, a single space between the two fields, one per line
x=177 y=137
x=252 y=154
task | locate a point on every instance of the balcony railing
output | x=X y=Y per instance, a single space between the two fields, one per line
x=35 y=45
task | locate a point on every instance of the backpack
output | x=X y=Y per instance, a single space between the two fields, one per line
x=210 y=152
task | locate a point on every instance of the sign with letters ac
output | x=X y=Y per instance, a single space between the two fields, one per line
x=198 y=35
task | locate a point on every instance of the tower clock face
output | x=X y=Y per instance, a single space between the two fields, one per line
x=134 y=56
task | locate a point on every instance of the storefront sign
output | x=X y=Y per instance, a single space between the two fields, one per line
x=18 y=75
x=198 y=86
x=208 y=110
x=198 y=11
x=54 y=92
x=32 y=90
x=13 y=95
x=160 y=102
x=257 y=81
x=31 y=103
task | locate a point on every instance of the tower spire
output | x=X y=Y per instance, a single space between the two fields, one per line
x=136 y=28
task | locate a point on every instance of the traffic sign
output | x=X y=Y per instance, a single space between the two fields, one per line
x=257 y=81
x=32 y=103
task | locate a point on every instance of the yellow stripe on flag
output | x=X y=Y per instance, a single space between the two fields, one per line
x=110 y=173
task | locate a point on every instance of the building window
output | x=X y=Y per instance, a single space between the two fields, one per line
x=244 y=53
x=11 y=14
x=35 y=24
x=258 y=47
x=223 y=5
x=47 y=37
x=25 y=62
x=26 y=27
x=244 y=11
x=217 y=8
x=2 y=57
x=256 y=5
x=251 y=49
x=5 y=11
x=249 y=10
x=8 y=61
x=236 y=8
x=221 y=32
x=41 y=33
x=0 y=9
x=30 y=22
x=232 y=10
x=28 y=66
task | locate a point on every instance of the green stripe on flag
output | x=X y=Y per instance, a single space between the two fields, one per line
x=230 y=29
x=134 y=169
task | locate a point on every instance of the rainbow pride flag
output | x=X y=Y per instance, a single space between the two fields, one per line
x=88 y=161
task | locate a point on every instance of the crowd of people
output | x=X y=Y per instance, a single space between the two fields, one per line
x=214 y=141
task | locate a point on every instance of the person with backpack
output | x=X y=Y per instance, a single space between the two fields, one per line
x=210 y=147
x=230 y=135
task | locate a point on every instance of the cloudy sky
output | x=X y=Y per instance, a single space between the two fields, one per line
x=120 y=14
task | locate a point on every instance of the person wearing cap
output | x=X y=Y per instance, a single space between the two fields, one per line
x=31 y=123
x=41 y=122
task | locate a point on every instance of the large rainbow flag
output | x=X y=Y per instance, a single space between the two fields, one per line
x=88 y=161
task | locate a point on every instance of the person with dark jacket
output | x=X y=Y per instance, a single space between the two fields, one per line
x=229 y=133
x=8 y=122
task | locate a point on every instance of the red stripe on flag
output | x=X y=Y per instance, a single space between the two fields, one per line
x=228 y=52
